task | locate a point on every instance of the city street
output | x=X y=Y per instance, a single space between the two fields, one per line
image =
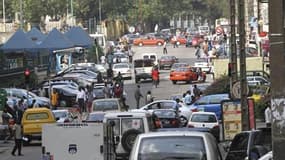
x=163 y=91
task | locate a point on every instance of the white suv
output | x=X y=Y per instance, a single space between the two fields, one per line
x=126 y=127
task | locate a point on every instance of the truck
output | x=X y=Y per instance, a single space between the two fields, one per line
x=73 y=141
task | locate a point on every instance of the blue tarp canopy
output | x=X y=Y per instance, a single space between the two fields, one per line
x=19 y=42
x=36 y=36
x=55 y=40
x=79 y=37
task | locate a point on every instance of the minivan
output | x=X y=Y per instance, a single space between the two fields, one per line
x=143 y=69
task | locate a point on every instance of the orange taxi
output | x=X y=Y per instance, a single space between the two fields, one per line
x=180 y=40
x=148 y=41
x=186 y=74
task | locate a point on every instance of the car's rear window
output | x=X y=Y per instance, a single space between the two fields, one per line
x=206 y=118
x=37 y=116
x=172 y=147
x=182 y=69
x=121 y=66
x=164 y=114
x=105 y=105
x=141 y=63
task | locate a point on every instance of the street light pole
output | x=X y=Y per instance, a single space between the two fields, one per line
x=4 y=16
x=21 y=12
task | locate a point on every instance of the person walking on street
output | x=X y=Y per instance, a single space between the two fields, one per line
x=6 y=117
x=148 y=97
x=164 y=48
x=54 y=99
x=80 y=99
x=188 y=98
x=138 y=95
x=196 y=92
x=267 y=114
x=155 y=76
x=175 y=42
x=90 y=97
x=17 y=129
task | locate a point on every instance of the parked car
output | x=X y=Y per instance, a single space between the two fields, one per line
x=28 y=97
x=178 y=65
x=166 y=61
x=250 y=144
x=184 y=112
x=63 y=116
x=124 y=68
x=211 y=103
x=107 y=104
x=168 y=118
x=205 y=120
x=186 y=74
x=148 y=41
x=95 y=117
x=172 y=145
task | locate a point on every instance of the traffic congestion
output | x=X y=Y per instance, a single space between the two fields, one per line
x=119 y=90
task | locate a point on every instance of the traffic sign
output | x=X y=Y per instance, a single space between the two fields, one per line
x=236 y=90
x=219 y=30
x=132 y=29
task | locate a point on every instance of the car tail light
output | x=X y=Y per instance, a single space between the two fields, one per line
x=174 y=122
x=190 y=126
x=157 y=123
x=66 y=121
x=194 y=110
x=216 y=126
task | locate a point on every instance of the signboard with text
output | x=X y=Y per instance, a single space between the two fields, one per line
x=232 y=122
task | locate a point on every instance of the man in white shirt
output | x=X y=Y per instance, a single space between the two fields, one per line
x=268 y=116
x=80 y=99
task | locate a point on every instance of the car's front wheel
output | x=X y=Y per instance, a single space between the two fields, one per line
x=174 y=82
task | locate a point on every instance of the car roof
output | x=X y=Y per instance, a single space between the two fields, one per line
x=127 y=114
x=208 y=113
x=106 y=99
x=173 y=133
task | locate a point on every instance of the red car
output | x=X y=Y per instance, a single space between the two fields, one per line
x=148 y=41
x=166 y=61
x=186 y=74
x=180 y=40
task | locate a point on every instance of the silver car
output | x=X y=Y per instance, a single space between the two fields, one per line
x=124 y=69
x=175 y=145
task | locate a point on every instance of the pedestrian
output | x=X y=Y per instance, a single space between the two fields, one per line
x=54 y=99
x=21 y=105
x=107 y=91
x=164 y=48
x=188 y=98
x=90 y=97
x=6 y=122
x=175 y=42
x=196 y=92
x=34 y=104
x=178 y=105
x=118 y=91
x=99 y=77
x=138 y=95
x=148 y=97
x=80 y=99
x=17 y=129
x=267 y=114
x=18 y=114
x=155 y=76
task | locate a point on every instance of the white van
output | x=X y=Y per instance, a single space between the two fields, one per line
x=152 y=56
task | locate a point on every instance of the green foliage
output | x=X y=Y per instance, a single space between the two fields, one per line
x=92 y=56
x=220 y=85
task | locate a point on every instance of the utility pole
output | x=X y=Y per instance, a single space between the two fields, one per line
x=277 y=76
x=233 y=55
x=21 y=12
x=4 y=16
x=243 y=82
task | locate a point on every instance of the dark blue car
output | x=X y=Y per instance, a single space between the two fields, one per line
x=211 y=103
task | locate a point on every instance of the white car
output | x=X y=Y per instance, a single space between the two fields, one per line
x=205 y=120
x=124 y=69
x=120 y=57
x=63 y=116
x=204 y=65
x=184 y=112
x=174 y=145
x=257 y=80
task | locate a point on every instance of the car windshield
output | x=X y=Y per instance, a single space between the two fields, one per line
x=105 y=105
x=172 y=147
x=178 y=65
x=60 y=114
x=182 y=69
x=98 y=117
x=121 y=66
x=207 y=118
x=164 y=113
x=132 y=123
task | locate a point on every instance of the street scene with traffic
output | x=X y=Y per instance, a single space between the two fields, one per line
x=155 y=86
